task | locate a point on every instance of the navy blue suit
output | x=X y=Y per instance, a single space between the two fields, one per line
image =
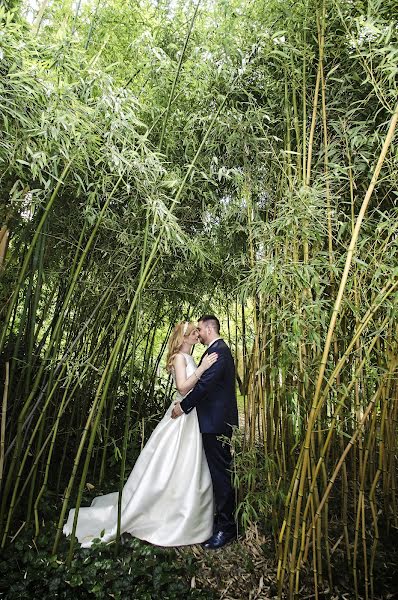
x=215 y=399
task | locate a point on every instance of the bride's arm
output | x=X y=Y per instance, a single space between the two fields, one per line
x=184 y=384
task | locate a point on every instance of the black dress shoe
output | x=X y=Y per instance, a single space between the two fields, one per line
x=207 y=541
x=219 y=539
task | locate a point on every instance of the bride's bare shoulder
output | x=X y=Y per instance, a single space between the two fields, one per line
x=178 y=360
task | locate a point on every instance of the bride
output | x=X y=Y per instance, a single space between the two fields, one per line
x=168 y=497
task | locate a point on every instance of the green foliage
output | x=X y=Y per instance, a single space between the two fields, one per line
x=138 y=571
x=257 y=500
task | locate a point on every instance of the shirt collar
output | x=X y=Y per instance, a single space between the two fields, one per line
x=212 y=342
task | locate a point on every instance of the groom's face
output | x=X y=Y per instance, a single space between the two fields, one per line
x=203 y=333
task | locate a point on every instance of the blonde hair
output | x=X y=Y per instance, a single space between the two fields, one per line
x=176 y=340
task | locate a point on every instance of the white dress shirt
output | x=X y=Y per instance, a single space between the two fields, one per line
x=212 y=342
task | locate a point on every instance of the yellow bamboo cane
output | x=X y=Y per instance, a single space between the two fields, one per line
x=3 y=420
x=386 y=145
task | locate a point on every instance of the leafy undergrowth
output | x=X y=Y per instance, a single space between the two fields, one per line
x=243 y=570
x=139 y=572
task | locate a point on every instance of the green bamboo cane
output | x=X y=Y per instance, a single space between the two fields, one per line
x=108 y=420
x=73 y=283
x=171 y=96
x=339 y=407
x=97 y=406
x=287 y=523
x=19 y=340
x=41 y=430
x=92 y=23
x=371 y=406
x=91 y=353
x=3 y=420
x=313 y=123
x=43 y=487
x=62 y=407
x=345 y=505
x=18 y=439
x=126 y=428
x=296 y=122
x=59 y=320
x=128 y=408
x=355 y=548
x=23 y=461
x=159 y=358
x=384 y=294
x=389 y=477
x=60 y=369
x=36 y=461
x=34 y=473
x=37 y=265
x=321 y=44
x=39 y=16
x=369 y=450
x=101 y=304
x=30 y=251
x=15 y=463
x=361 y=508
x=304 y=93
x=330 y=433
x=347 y=391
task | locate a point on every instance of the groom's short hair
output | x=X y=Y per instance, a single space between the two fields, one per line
x=212 y=321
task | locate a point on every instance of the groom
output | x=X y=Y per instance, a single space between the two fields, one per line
x=215 y=400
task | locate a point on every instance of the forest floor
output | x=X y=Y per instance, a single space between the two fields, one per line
x=243 y=570
x=246 y=570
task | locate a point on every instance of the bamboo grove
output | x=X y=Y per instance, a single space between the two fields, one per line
x=152 y=153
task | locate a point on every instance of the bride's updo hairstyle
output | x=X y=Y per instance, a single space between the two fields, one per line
x=181 y=330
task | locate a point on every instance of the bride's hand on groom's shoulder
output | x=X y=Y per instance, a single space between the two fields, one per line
x=177 y=411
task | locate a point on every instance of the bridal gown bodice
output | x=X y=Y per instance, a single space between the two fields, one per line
x=168 y=497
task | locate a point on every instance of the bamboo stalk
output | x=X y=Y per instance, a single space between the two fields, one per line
x=349 y=446
x=4 y=235
x=300 y=493
x=3 y=420
x=171 y=96
x=30 y=251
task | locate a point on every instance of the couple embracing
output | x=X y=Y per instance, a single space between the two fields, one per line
x=179 y=491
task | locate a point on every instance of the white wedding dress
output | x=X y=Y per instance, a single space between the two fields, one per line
x=168 y=497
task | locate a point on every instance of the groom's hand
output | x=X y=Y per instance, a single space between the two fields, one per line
x=177 y=411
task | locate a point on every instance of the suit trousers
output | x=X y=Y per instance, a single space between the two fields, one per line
x=219 y=459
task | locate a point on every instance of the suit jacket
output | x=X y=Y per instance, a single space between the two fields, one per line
x=214 y=395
